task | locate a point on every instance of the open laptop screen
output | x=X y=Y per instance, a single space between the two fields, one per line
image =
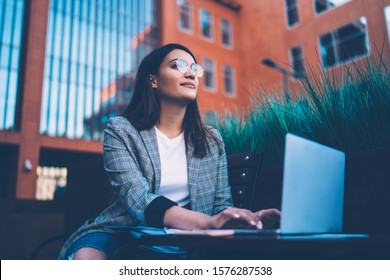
x=313 y=187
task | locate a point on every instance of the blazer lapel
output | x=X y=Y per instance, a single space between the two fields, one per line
x=193 y=165
x=150 y=140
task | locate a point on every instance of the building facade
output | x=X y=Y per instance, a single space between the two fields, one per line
x=67 y=66
x=296 y=34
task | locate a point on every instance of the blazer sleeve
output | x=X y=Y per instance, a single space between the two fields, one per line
x=124 y=172
x=223 y=196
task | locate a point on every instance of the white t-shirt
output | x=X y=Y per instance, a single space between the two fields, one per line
x=174 y=179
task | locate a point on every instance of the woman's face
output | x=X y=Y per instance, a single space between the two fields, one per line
x=172 y=85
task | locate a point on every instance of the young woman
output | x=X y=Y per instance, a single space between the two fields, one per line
x=168 y=168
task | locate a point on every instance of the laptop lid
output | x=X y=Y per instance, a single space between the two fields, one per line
x=313 y=187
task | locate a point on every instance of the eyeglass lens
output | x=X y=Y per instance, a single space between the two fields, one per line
x=182 y=65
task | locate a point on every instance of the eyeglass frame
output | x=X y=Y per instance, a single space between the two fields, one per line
x=187 y=66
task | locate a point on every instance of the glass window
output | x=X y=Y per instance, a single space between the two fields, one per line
x=345 y=43
x=206 y=24
x=229 y=80
x=185 y=15
x=297 y=62
x=11 y=30
x=226 y=33
x=387 y=16
x=209 y=74
x=321 y=6
x=292 y=12
x=92 y=51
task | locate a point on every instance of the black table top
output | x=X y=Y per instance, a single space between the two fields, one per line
x=277 y=247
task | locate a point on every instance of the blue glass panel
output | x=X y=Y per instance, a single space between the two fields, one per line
x=44 y=107
x=80 y=112
x=50 y=33
x=90 y=45
x=2 y=9
x=64 y=70
x=80 y=75
x=74 y=41
x=71 y=112
x=83 y=43
x=73 y=73
x=8 y=23
x=76 y=11
x=66 y=42
x=85 y=10
x=12 y=87
x=64 y=87
x=52 y=105
x=121 y=44
x=17 y=37
x=98 y=43
x=5 y=53
x=92 y=14
x=3 y=102
x=67 y=4
x=89 y=71
x=15 y=59
x=88 y=105
x=57 y=36
x=55 y=73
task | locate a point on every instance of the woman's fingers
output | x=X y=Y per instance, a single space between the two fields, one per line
x=269 y=217
x=232 y=217
x=249 y=217
x=235 y=217
x=268 y=213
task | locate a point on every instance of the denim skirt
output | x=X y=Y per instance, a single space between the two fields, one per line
x=122 y=245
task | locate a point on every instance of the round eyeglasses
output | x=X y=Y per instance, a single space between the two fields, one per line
x=183 y=66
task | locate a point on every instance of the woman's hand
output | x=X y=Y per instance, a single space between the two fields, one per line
x=268 y=217
x=234 y=217
x=178 y=217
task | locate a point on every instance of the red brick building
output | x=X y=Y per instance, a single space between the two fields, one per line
x=287 y=32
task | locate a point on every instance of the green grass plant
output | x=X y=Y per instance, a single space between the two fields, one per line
x=347 y=108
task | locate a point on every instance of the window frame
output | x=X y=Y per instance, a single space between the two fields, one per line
x=231 y=44
x=338 y=62
x=327 y=9
x=212 y=88
x=302 y=58
x=212 y=37
x=233 y=81
x=184 y=29
x=287 y=16
x=387 y=19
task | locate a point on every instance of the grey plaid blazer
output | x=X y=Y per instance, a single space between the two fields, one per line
x=132 y=164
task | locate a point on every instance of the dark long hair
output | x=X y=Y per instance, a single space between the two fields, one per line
x=143 y=111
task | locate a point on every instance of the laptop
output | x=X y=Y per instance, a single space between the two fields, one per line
x=313 y=189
